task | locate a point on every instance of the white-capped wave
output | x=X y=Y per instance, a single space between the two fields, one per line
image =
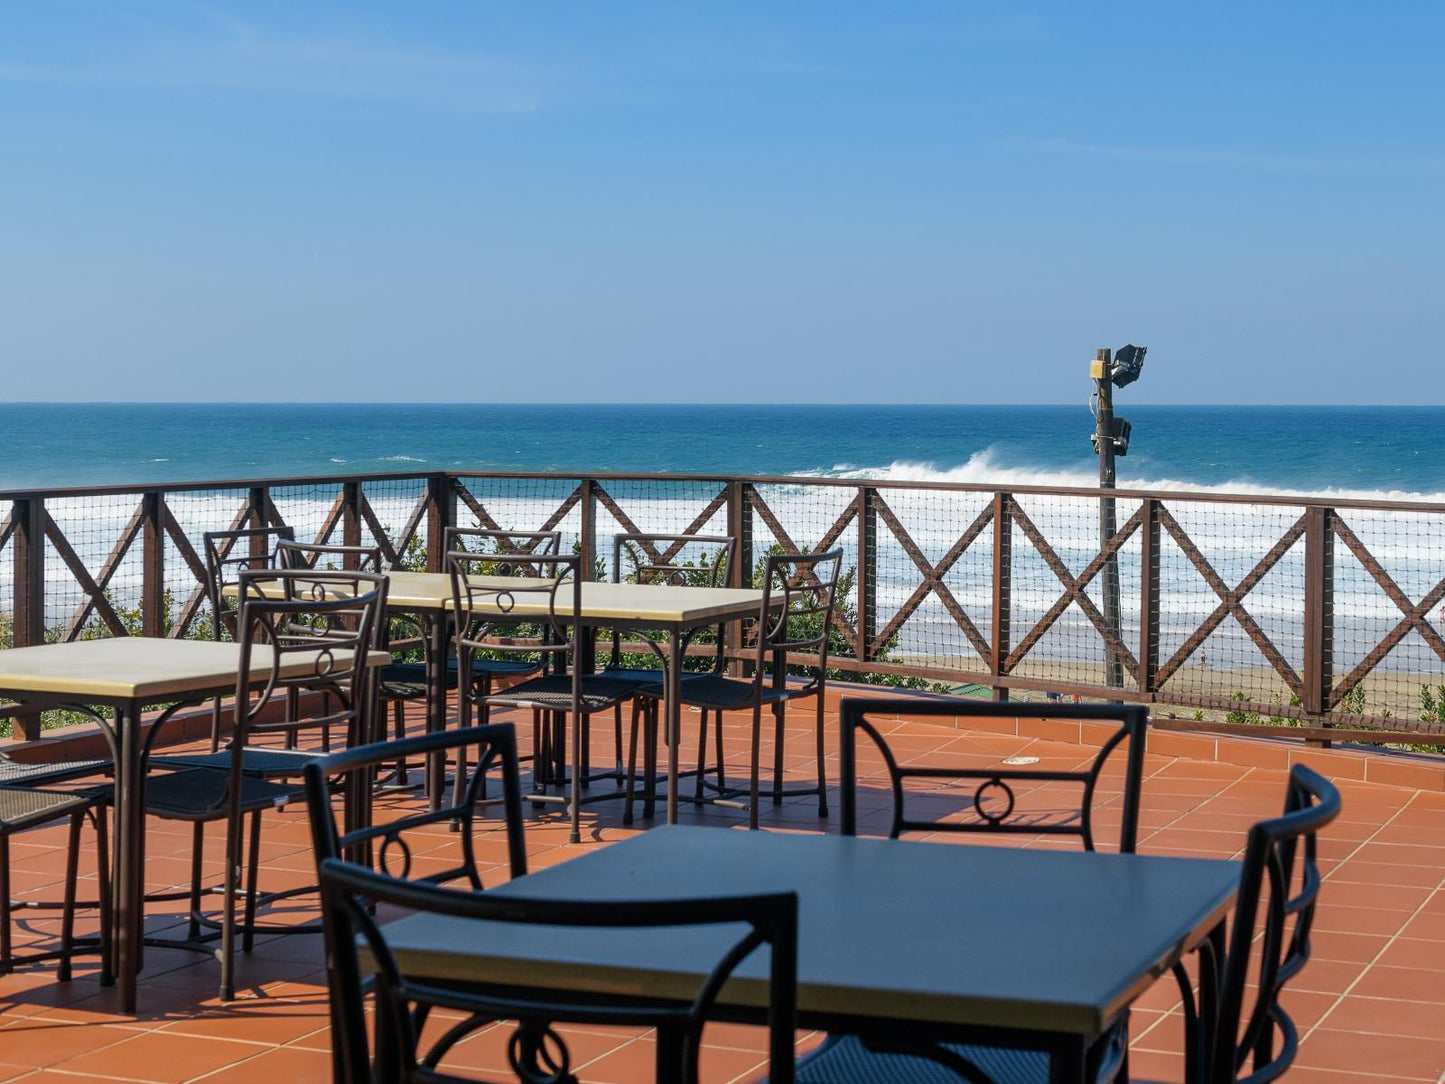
x=404 y=459
x=983 y=468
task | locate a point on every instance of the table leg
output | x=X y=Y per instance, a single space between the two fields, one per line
x=672 y=683
x=1068 y=1062
x=128 y=880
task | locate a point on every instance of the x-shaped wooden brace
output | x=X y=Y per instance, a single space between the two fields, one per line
x=831 y=535
x=933 y=578
x=1414 y=614
x=1073 y=589
x=485 y=518
x=1230 y=602
x=661 y=557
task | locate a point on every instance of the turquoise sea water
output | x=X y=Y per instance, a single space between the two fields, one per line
x=1362 y=451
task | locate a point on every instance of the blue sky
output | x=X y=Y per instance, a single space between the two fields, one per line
x=833 y=202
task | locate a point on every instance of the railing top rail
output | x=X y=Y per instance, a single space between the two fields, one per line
x=1200 y=496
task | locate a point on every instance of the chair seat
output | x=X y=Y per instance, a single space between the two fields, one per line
x=16 y=773
x=21 y=807
x=264 y=763
x=845 y=1060
x=716 y=692
x=407 y=680
x=646 y=676
x=200 y=794
x=554 y=693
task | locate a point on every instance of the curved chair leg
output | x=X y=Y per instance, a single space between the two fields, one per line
x=822 y=777
x=72 y=872
x=722 y=781
x=757 y=754
x=198 y=839
x=701 y=754
x=234 y=839
x=253 y=869
x=102 y=876
x=780 y=712
x=627 y=802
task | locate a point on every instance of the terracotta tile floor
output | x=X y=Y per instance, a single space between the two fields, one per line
x=1370 y=1005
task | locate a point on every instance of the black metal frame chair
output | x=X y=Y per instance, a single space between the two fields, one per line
x=487 y=668
x=482 y=610
x=847 y=1058
x=328 y=620
x=353 y=891
x=799 y=593
x=654 y=559
x=1280 y=852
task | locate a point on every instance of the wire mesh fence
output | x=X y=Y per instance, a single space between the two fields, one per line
x=1248 y=609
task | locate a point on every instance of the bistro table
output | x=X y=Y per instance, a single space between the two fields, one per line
x=646 y=608
x=128 y=673
x=1039 y=949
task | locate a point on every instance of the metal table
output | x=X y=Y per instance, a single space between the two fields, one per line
x=1033 y=948
x=128 y=673
x=646 y=608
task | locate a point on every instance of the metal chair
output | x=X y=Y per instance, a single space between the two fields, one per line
x=398 y=683
x=522 y=607
x=23 y=807
x=847 y=1058
x=1259 y=1045
x=353 y=891
x=799 y=591
x=682 y=560
x=322 y=621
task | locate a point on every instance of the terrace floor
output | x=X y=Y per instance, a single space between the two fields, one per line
x=1369 y=1006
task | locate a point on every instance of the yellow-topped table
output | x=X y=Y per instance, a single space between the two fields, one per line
x=127 y=673
x=649 y=608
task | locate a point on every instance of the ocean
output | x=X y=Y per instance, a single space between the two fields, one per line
x=1385 y=452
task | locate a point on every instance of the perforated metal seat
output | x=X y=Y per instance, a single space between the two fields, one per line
x=17 y=773
x=258 y=763
x=199 y=793
x=555 y=693
x=845 y=1060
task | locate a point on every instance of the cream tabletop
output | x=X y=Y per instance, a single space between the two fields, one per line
x=137 y=668
x=663 y=604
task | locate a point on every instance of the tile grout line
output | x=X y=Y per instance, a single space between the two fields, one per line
x=1388 y=942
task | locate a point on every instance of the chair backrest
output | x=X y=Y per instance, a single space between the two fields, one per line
x=496 y=594
x=316 y=628
x=994 y=798
x=387 y=845
x=1281 y=854
x=314 y=555
x=350 y=893
x=228 y=554
x=679 y=560
x=799 y=592
x=684 y=560
x=485 y=540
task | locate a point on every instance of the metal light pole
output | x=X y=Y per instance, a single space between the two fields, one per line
x=1104 y=445
x=1111 y=438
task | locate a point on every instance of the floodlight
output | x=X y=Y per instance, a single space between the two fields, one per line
x=1128 y=362
x=1119 y=431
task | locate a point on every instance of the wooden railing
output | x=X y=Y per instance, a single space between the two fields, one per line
x=1254 y=612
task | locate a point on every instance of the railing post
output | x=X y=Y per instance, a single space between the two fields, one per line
x=351 y=522
x=867 y=571
x=740 y=526
x=153 y=568
x=1319 y=613
x=28 y=622
x=441 y=513
x=1149 y=596
x=1002 y=588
